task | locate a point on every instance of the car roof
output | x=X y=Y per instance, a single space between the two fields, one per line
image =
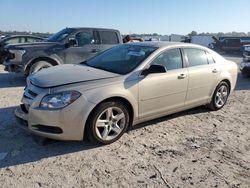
x=95 y=28
x=161 y=44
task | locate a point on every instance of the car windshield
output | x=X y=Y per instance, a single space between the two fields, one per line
x=59 y=36
x=121 y=59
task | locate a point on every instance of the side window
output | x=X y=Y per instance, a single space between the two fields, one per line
x=210 y=58
x=21 y=40
x=30 y=39
x=85 y=37
x=196 y=57
x=12 y=41
x=170 y=59
x=109 y=37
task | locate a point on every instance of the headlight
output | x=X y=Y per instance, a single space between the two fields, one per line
x=16 y=54
x=21 y=52
x=245 y=64
x=59 y=100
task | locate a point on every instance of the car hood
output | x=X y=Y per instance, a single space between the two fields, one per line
x=31 y=45
x=68 y=74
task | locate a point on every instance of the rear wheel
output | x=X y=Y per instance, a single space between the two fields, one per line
x=108 y=122
x=220 y=96
x=39 y=66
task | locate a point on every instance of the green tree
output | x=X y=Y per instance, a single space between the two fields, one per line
x=193 y=33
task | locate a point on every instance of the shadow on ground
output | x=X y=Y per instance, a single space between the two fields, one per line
x=19 y=147
x=8 y=80
x=243 y=83
x=197 y=110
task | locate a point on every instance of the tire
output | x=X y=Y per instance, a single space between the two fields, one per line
x=39 y=65
x=220 y=96
x=107 y=123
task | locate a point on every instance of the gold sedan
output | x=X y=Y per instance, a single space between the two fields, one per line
x=123 y=86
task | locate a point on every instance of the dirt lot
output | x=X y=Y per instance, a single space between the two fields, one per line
x=195 y=148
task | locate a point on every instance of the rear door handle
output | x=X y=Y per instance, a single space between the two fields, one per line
x=215 y=71
x=182 y=76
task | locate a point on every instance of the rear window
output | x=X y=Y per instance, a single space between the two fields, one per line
x=109 y=37
x=196 y=57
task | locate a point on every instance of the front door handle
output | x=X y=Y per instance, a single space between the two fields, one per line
x=215 y=71
x=182 y=76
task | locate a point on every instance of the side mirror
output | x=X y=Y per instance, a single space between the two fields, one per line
x=71 y=42
x=154 y=69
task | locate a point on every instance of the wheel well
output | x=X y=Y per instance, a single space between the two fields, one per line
x=229 y=84
x=49 y=60
x=120 y=99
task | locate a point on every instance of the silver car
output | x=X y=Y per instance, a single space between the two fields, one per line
x=123 y=86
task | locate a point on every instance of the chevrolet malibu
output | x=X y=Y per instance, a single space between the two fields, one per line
x=123 y=86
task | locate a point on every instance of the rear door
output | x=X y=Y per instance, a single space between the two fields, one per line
x=203 y=75
x=108 y=39
x=87 y=46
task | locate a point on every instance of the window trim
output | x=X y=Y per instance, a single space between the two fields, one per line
x=209 y=54
x=186 y=57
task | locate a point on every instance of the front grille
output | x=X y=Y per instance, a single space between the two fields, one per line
x=29 y=94
x=246 y=54
x=33 y=94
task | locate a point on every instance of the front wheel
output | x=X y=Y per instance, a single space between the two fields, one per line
x=108 y=122
x=39 y=66
x=220 y=96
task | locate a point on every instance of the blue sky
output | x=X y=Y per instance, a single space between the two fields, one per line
x=129 y=16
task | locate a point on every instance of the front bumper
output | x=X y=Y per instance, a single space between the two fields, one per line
x=12 y=66
x=245 y=68
x=63 y=124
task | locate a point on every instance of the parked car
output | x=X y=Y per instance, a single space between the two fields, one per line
x=70 y=45
x=229 y=44
x=123 y=86
x=14 y=40
x=245 y=64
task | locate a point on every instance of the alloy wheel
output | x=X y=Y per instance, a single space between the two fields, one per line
x=221 y=96
x=110 y=123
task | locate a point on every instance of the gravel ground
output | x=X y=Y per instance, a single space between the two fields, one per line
x=195 y=148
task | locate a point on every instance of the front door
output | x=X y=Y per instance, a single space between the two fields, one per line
x=108 y=39
x=85 y=48
x=163 y=92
